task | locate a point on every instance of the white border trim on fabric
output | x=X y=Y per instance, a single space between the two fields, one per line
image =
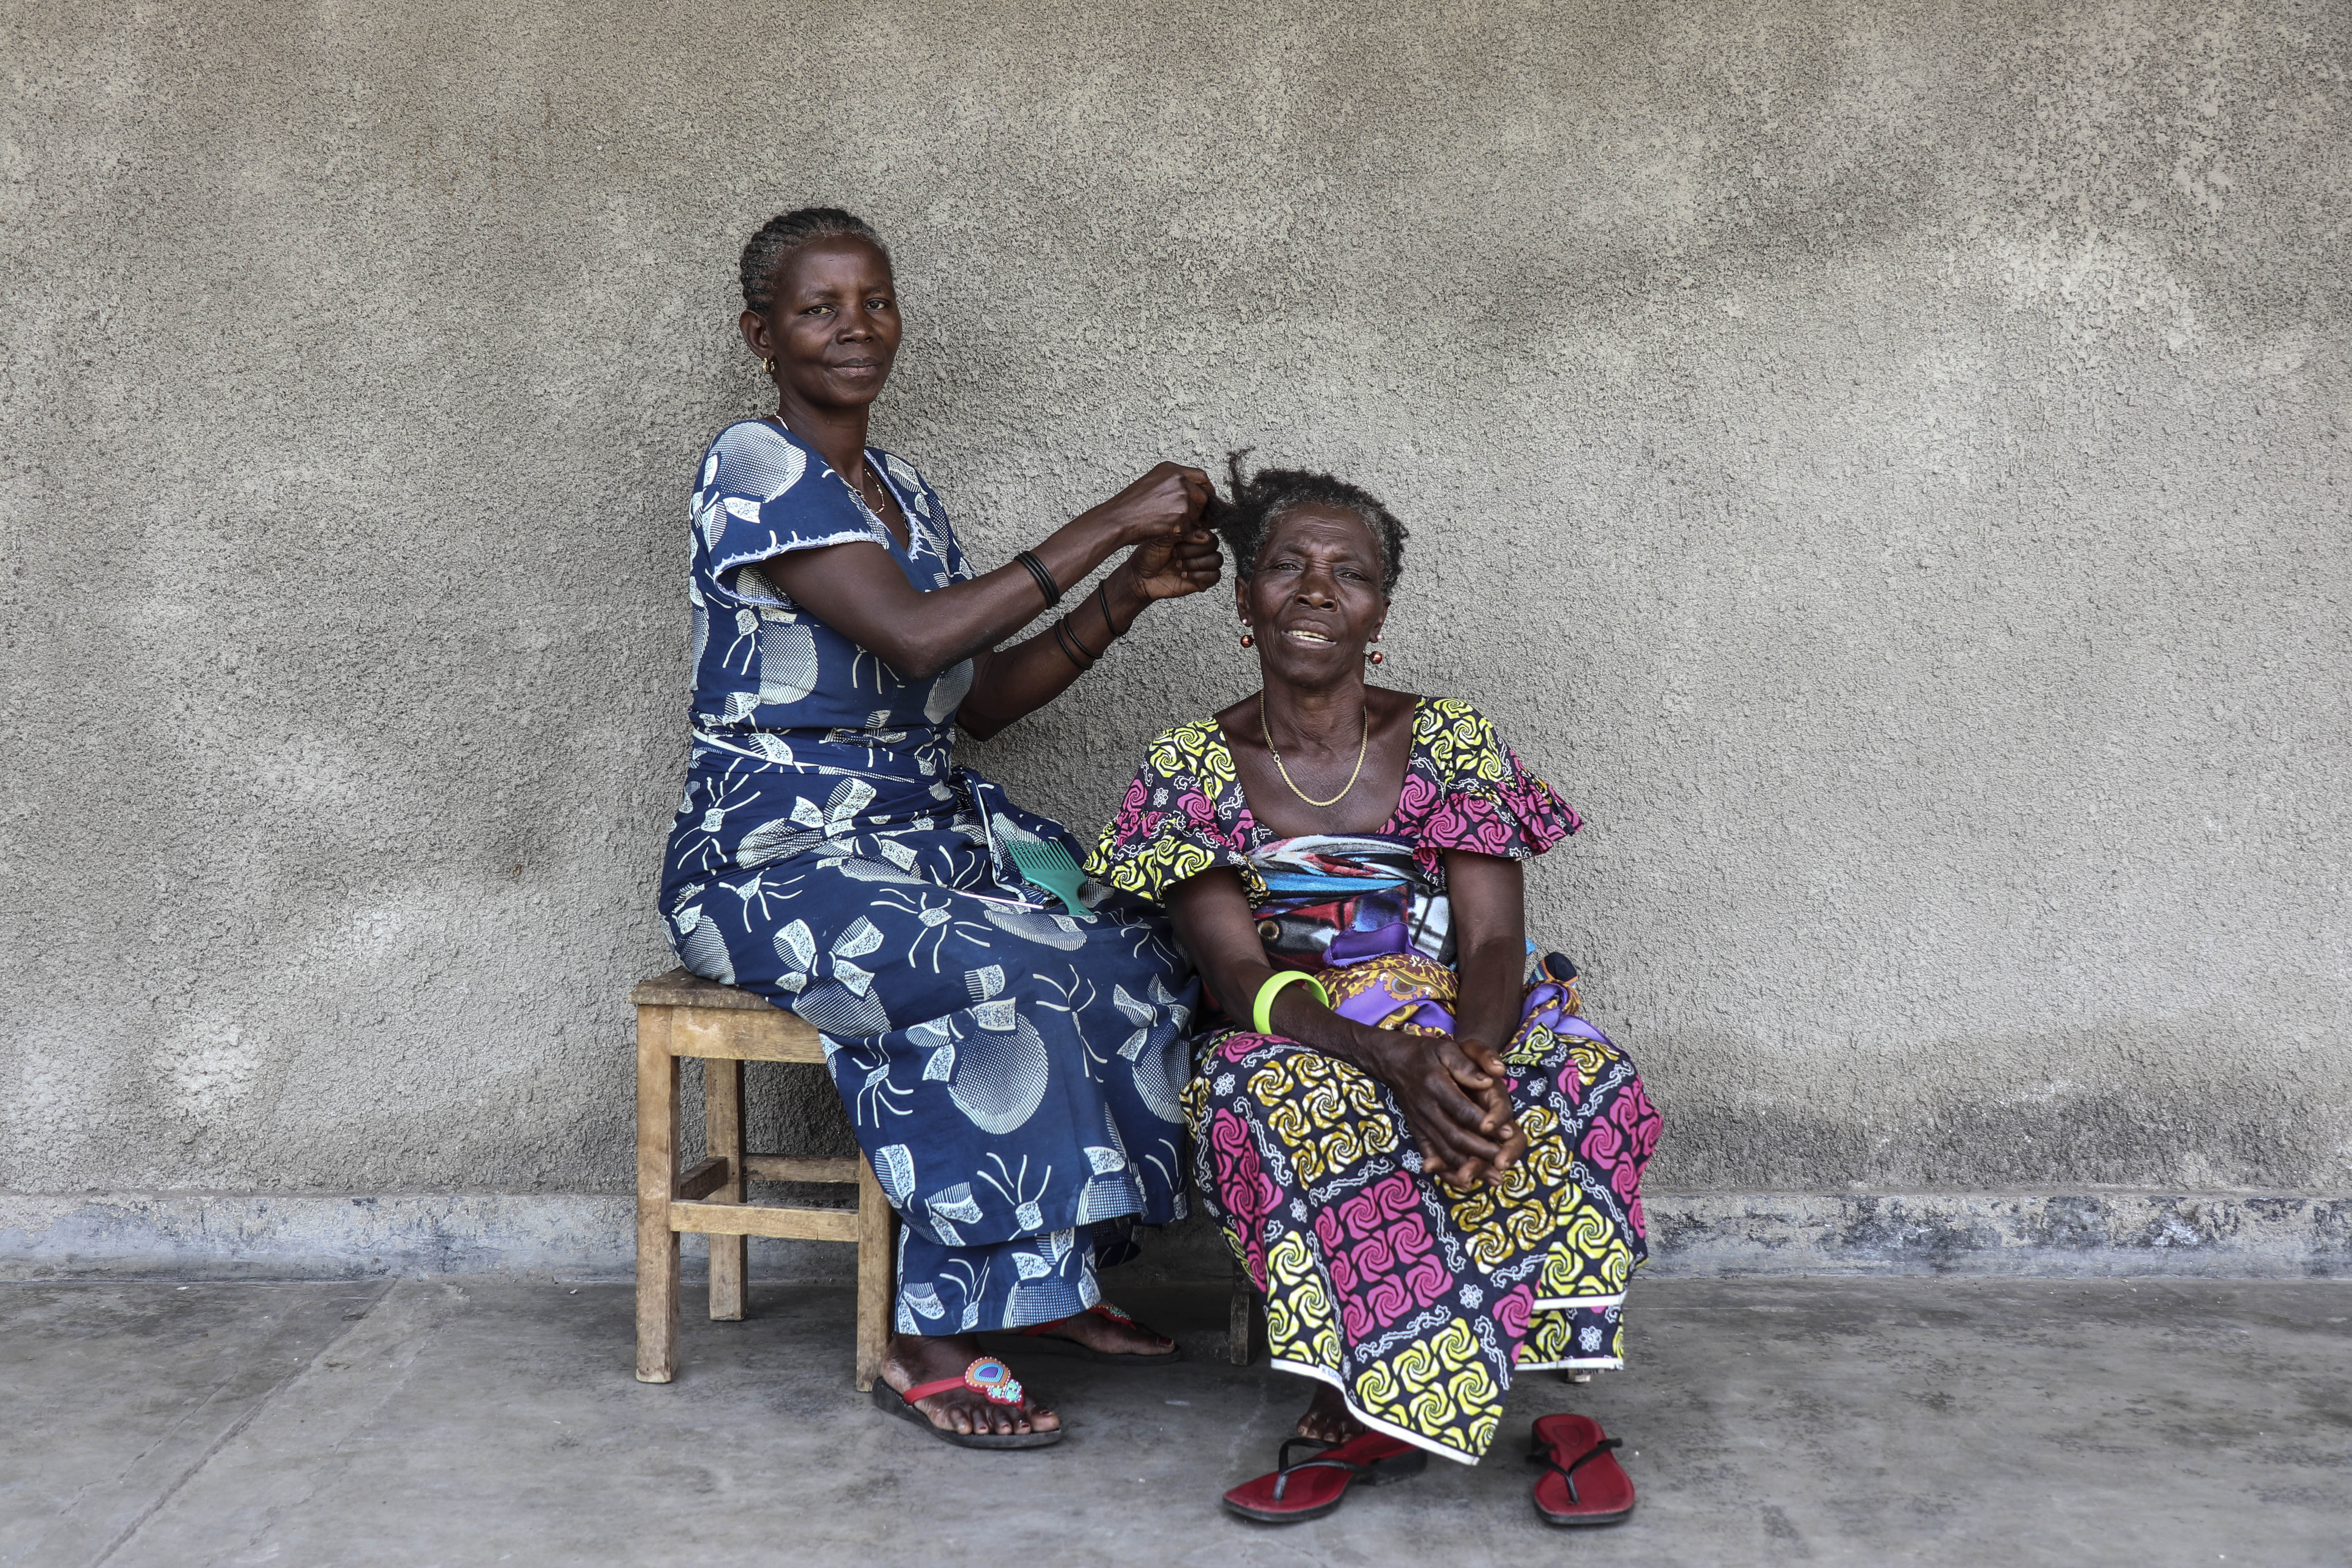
x=1577 y=1303
x=783 y=548
x=1322 y=1374
x=1606 y=1364
x=700 y=736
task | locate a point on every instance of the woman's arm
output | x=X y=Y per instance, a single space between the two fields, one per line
x=1489 y=897
x=859 y=591
x=1011 y=682
x=1462 y=1138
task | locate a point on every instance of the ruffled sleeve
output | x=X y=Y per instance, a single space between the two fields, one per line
x=760 y=496
x=1168 y=829
x=1471 y=792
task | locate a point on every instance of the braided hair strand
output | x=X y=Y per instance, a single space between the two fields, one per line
x=785 y=233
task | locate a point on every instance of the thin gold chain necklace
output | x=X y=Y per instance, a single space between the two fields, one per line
x=874 y=502
x=1362 y=747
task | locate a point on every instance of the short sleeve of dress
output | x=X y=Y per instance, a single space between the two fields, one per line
x=758 y=498
x=1477 y=794
x=1167 y=830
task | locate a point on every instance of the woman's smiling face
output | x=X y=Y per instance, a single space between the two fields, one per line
x=833 y=321
x=1314 y=597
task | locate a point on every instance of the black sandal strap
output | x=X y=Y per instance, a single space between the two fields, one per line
x=1284 y=1469
x=1282 y=1455
x=1568 y=1472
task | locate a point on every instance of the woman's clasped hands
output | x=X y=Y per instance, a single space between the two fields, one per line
x=1453 y=1094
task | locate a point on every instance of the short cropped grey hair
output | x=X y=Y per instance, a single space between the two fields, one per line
x=786 y=233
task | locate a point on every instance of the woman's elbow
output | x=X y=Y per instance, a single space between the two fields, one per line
x=913 y=658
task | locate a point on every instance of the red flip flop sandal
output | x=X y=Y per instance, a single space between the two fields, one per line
x=1583 y=1483
x=988 y=1377
x=1040 y=1338
x=1315 y=1487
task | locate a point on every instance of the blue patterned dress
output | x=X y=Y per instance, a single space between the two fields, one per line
x=1014 y=1066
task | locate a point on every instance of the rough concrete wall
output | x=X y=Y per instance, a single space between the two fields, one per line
x=1887 y=464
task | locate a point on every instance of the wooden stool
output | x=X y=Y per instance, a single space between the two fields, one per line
x=682 y=1015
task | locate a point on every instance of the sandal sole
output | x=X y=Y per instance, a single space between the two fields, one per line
x=1582 y=1520
x=889 y=1400
x=1300 y=1517
x=1385 y=1472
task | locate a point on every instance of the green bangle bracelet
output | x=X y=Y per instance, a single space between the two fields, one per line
x=1262 y=1010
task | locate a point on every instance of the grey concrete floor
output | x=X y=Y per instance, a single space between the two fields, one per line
x=482 y=1421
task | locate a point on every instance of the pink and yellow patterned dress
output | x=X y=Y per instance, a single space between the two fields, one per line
x=1417 y=1301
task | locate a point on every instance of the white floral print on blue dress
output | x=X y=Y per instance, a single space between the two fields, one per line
x=1013 y=1066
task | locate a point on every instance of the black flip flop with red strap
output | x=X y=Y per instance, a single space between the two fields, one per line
x=1039 y=1339
x=989 y=1378
x=1313 y=1488
x=1583 y=1483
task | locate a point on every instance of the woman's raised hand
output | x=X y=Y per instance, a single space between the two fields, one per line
x=1171 y=568
x=1164 y=504
x=1159 y=515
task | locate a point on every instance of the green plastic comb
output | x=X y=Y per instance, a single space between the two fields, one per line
x=1049 y=866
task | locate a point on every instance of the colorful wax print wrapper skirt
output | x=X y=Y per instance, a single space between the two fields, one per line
x=1417 y=1302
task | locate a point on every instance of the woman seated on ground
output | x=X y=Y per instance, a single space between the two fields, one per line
x=1011 y=1045
x=1429 y=1163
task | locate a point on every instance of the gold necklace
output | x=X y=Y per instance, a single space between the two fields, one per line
x=1362 y=747
x=874 y=502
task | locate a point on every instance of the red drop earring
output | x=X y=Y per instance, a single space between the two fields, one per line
x=1375 y=657
x=1247 y=640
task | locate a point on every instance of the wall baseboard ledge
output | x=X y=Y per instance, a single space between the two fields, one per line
x=2101 y=1233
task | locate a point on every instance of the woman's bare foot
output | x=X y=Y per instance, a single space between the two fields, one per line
x=915 y=1359
x=1112 y=1333
x=1327 y=1419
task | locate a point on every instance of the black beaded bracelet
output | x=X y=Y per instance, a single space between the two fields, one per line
x=1045 y=583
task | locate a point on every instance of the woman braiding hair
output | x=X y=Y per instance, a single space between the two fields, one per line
x=1009 y=1039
